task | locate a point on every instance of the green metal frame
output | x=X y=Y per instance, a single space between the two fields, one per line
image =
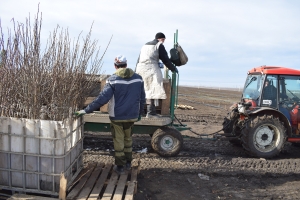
x=174 y=94
x=174 y=102
x=145 y=129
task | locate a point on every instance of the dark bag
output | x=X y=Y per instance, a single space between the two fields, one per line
x=175 y=57
x=178 y=57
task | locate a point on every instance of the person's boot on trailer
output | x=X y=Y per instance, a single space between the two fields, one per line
x=151 y=111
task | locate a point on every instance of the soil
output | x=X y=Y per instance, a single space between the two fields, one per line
x=205 y=168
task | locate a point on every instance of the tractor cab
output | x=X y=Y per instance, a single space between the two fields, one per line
x=268 y=114
x=274 y=91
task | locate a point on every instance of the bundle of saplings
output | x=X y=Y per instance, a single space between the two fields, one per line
x=47 y=80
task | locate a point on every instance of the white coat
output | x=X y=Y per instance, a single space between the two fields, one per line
x=148 y=68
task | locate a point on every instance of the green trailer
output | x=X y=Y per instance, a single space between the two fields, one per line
x=165 y=132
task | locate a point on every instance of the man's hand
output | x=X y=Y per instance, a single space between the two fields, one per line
x=79 y=113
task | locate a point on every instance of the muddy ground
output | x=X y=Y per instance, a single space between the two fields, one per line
x=205 y=168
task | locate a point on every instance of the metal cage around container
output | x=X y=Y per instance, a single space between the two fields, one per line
x=34 y=153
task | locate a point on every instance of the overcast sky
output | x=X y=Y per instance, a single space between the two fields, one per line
x=222 y=38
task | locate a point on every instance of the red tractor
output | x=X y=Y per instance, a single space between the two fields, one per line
x=268 y=115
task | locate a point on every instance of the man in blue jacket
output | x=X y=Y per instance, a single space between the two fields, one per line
x=124 y=91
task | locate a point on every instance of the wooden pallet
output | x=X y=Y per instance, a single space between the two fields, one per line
x=99 y=181
x=29 y=197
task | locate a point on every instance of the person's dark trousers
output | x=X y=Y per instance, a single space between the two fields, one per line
x=150 y=107
x=122 y=138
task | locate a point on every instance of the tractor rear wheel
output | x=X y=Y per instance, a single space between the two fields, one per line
x=167 y=141
x=263 y=136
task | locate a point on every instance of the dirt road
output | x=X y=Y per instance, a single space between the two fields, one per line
x=206 y=169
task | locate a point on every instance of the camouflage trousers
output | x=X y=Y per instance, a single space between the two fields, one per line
x=122 y=138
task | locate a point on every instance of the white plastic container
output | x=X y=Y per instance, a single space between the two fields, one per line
x=33 y=153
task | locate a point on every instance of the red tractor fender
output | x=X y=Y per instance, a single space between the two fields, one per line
x=271 y=111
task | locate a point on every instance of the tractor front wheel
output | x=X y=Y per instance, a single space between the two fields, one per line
x=167 y=141
x=264 y=136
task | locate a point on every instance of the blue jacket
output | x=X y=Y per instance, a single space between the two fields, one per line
x=124 y=91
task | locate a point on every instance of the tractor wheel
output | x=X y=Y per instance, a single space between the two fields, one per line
x=264 y=136
x=167 y=141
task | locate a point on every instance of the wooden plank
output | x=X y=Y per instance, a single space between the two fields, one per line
x=110 y=186
x=28 y=197
x=100 y=183
x=120 y=187
x=132 y=185
x=134 y=174
x=62 y=187
x=74 y=192
x=83 y=172
x=130 y=191
x=90 y=183
x=165 y=107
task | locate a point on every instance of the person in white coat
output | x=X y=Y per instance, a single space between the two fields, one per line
x=148 y=68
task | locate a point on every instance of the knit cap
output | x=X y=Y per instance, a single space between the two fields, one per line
x=159 y=35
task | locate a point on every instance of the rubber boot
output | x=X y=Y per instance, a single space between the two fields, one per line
x=128 y=166
x=151 y=111
x=119 y=169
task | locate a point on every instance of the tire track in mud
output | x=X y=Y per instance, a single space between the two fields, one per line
x=225 y=166
x=212 y=157
x=218 y=166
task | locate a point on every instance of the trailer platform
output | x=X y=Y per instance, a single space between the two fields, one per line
x=99 y=117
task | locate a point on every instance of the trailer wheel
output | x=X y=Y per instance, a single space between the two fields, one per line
x=167 y=141
x=264 y=136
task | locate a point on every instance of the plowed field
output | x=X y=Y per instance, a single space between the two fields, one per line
x=205 y=168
